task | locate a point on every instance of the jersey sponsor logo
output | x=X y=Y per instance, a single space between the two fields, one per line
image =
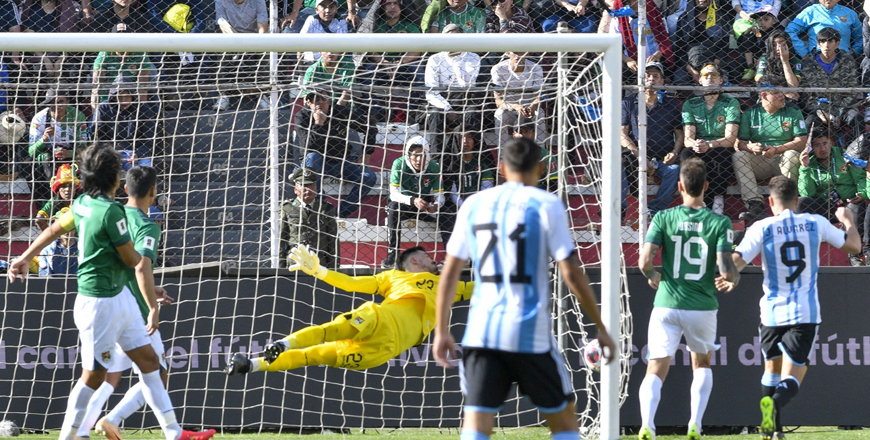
x=122 y=226
x=691 y=227
x=83 y=211
x=148 y=243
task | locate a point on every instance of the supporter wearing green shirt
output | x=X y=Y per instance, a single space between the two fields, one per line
x=416 y=193
x=472 y=20
x=391 y=21
x=333 y=72
x=770 y=140
x=134 y=65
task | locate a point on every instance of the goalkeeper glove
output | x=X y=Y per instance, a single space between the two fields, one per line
x=307 y=261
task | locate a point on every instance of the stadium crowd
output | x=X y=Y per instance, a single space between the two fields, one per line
x=745 y=138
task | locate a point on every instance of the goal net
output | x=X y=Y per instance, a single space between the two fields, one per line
x=227 y=121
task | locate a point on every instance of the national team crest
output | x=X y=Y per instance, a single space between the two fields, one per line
x=107 y=356
x=843 y=168
x=358 y=320
x=720 y=120
x=786 y=125
x=426 y=181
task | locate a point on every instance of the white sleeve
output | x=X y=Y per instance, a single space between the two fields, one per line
x=560 y=243
x=454 y=195
x=431 y=79
x=458 y=244
x=306 y=27
x=474 y=60
x=829 y=233
x=750 y=246
x=397 y=196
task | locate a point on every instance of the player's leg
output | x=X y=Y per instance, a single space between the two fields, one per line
x=546 y=380
x=699 y=328
x=338 y=329
x=664 y=335
x=97 y=402
x=563 y=424
x=485 y=380
x=769 y=339
x=796 y=345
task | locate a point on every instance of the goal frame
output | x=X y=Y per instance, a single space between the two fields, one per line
x=609 y=45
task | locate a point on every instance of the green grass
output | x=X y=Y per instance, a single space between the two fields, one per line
x=805 y=433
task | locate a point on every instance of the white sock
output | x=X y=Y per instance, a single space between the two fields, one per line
x=702 y=386
x=76 y=406
x=650 y=394
x=158 y=399
x=95 y=407
x=132 y=401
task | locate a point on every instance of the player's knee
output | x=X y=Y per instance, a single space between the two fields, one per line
x=562 y=421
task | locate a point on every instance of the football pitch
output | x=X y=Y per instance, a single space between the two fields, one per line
x=803 y=433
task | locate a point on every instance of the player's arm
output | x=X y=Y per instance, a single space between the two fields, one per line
x=647 y=255
x=577 y=281
x=444 y=344
x=21 y=265
x=728 y=266
x=307 y=261
x=146 y=245
x=853 y=240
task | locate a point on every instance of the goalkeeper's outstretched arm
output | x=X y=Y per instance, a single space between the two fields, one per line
x=307 y=261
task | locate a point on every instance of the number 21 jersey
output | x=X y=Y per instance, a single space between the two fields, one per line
x=789 y=247
x=510 y=232
x=690 y=239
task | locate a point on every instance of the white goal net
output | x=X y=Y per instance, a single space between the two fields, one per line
x=227 y=122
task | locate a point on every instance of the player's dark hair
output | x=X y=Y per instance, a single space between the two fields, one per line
x=140 y=180
x=521 y=155
x=100 y=169
x=783 y=189
x=693 y=175
x=406 y=255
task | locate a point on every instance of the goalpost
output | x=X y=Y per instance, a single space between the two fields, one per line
x=224 y=177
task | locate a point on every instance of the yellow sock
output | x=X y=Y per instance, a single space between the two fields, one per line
x=337 y=330
x=291 y=359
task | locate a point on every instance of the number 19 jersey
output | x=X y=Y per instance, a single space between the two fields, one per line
x=510 y=232
x=689 y=239
x=789 y=247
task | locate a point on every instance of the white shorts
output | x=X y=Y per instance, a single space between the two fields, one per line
x=668 y=326
x=105 y=322
x=122 y=362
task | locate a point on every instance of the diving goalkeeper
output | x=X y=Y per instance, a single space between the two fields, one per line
x=371 y=334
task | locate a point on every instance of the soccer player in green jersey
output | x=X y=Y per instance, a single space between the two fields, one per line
x=685 y=302
x=106 y=313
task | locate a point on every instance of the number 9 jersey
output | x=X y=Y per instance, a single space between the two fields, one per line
x=789 y=247
x=690 y=239
x=510 y=232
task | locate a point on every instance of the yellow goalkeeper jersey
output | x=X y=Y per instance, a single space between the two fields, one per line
x=396 y=284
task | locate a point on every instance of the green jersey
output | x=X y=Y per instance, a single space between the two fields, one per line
x=472 y=20
x=340 y=79
x=770 y=130
x=146 y=237
x=688 y=238
x=413 y=183
x=471 y=177
x=710 y=123
x=401 y=27
x=111 y=65
x=102 y=226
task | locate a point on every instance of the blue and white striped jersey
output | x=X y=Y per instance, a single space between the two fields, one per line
x=789 y=246
x=510 y=232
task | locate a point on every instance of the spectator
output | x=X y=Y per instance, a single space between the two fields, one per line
x=310 y=220
x=244 y=17
x=830 y=67
x=753 y=40
x=4 y=83
x=826 y=13
x=56 y=132
x=50 y=16
x=65 y=186
x=508 y=19
x=126 y=122
x=333 y=71
x=467 y=168
x=621 y=20
x=664 y=138
x=771 y=138
x=826 y=183
x=60 y=257
x=134 y=66
x=780 y=59
x=322 y=132
x=454 y=70
x=303 y=9
x=469 y=19
x=416 y=192
x=579 y=14
x=745 y=9
x=10 y=16
x=174 y=16
x=123 y=16
x=711 y=123
x=694 y=39
x=856 y=155
x=549 y=180
x=517 y=83
x=324 y=22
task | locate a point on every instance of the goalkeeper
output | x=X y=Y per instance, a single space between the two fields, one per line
x=371 y=334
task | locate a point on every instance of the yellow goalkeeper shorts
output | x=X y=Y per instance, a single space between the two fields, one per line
x=375 y=344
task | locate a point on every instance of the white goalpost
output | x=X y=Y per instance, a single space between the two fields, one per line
x=224 y=180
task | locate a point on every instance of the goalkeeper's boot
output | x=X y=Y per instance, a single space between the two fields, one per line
x=274 y=349
x=646 y=433
x=694 y=433
x=238 y=364
x=778 y=435
x=768 y=418
x=107 y=429
x=193 y=435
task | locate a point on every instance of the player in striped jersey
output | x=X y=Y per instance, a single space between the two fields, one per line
x=789 y=246
x=694 y=241
x=510 y=232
